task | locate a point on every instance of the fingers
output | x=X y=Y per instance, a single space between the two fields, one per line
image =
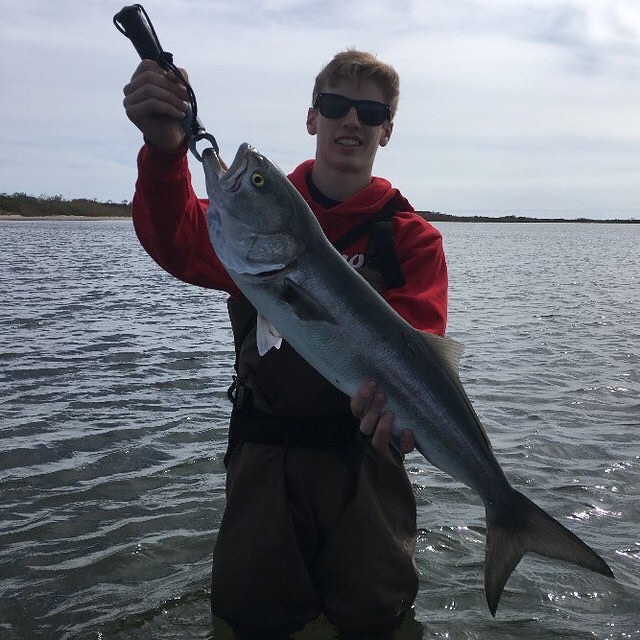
x=361 y=401
x=372 y=415
x=368 y=404
x=153 y=91
x=154 y=67
x=156 y=101
x=382 y=433
x=153 y=103
x=407 y=441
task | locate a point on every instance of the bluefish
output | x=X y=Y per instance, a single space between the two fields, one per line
x=271 y=244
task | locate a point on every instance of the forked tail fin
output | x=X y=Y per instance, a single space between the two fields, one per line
x=524 y=527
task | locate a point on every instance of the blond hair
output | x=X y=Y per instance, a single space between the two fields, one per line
x=361 y=66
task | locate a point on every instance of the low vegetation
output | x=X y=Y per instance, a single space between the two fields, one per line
x=22 y=204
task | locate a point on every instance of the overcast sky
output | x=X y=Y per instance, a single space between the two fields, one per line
x=506 y=107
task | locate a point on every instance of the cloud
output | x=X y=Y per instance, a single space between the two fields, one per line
x=505 y=105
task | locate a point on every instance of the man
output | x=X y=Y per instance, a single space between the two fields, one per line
x=320 y=514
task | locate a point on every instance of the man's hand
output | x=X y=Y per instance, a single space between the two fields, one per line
x=156 y=101
x=368 y=405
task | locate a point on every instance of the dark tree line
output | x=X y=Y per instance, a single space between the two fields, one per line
x=31 y=206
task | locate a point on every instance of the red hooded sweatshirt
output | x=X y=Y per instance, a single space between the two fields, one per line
x=170 y=222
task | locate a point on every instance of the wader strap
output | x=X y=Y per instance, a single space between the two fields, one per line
x=382 y=253
x=236 y=391
x=308 y=432
x=384 y=256
x=386 y=213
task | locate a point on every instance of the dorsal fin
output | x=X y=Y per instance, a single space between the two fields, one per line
x=450 y=351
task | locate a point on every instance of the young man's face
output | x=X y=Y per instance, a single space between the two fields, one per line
x=347 y=144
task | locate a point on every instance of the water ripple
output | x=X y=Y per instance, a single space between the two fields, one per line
x=113 y=423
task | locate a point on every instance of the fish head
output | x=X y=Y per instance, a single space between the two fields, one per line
x=256 y=218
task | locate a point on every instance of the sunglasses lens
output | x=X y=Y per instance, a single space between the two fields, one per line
x=334 y=106
x=372 y=113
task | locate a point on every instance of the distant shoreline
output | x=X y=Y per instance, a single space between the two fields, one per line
x=445 y=217
x=440 y=217
x=20 y=206
x=23 y=207
x=13 y=217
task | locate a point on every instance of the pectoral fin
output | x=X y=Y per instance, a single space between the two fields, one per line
x=303 y=304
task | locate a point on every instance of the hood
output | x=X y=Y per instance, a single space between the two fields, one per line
x=368 y=201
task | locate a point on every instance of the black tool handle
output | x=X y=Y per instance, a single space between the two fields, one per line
x=133 y=22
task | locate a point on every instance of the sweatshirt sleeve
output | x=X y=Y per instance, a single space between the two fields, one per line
x=170 y=221
x=422 y=300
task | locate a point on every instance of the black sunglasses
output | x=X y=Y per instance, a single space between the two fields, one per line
x=334 y=106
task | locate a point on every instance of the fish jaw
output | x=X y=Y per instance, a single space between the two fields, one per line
x=213 y=165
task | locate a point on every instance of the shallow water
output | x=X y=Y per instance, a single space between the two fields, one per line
x=113 y=417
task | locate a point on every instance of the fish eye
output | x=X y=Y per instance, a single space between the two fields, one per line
x=257 y=179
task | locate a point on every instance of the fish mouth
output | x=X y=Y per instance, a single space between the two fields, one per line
x=232 y=179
